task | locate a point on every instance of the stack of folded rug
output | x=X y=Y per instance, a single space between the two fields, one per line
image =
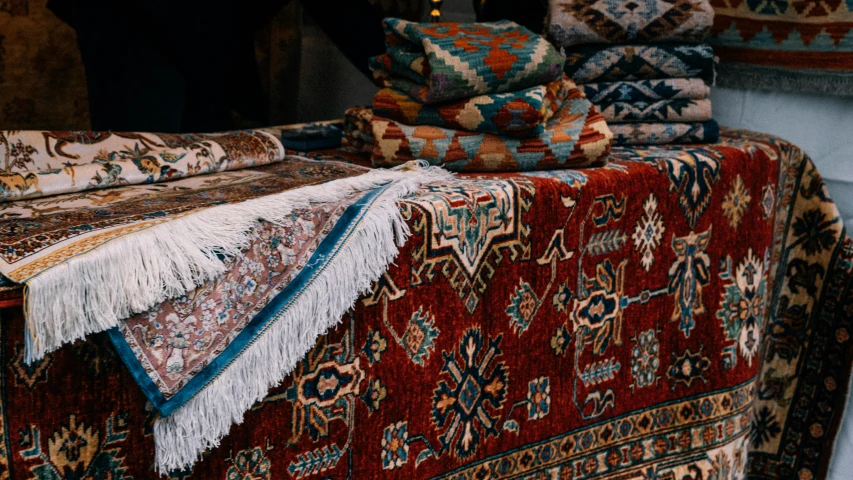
x=476 y=97
x=643 y=64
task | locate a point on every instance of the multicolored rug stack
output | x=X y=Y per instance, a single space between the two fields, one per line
x=642 y=63
x=477 y=98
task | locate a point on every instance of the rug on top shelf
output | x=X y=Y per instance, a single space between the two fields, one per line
x=796 y=46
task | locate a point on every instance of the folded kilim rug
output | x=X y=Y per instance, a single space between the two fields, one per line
x=577 y=22
x=594 y=63
x=648 y=91
x=360 y=135
x=796 y=46
x=577 y=136
x=96 y=259
x=664 y=133
x=520 y=114
x=677 y=110
x=440 y=62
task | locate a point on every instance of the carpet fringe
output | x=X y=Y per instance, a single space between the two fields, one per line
x=200 y=423
x=133 y=273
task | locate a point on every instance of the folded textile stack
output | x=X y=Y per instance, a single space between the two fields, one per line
x=643 y=64
x=357 y=132
x=476 y=98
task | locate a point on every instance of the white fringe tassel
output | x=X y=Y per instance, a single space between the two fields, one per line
x=94 y=291
x=198 y=425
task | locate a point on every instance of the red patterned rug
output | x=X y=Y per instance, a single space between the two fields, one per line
x=683 y=313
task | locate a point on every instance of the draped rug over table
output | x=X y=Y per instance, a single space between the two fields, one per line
x=683 y=312
x=90 y=259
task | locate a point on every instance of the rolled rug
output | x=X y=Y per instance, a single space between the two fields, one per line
x=576 y=137
x=519 y=114
x=439 y=62
x=594 y=64
x=357 y=132
x=676 y=110
x=578 y=22
x=664 y=133
x=44 y=163
x=648 y=91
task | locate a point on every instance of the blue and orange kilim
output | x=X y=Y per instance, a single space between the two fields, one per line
x=439 y=62
x=522 y=113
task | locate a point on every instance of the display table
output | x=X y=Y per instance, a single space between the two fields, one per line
x=682 y=313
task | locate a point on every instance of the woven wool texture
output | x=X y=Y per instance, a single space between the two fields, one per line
x=614 y=63
x=599 y=323
x=647 y=91
x=799 y=46
x=42 y=163
x=577 y=22
x=678 y=110
x=664 y=133
x=519 y=114
x=441 y=62
x=357 y=132
x=641 y=63
x=91 y=259
x=577 y=136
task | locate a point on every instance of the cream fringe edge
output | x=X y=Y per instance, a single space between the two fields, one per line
x=93 y=292
x=200 y=423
